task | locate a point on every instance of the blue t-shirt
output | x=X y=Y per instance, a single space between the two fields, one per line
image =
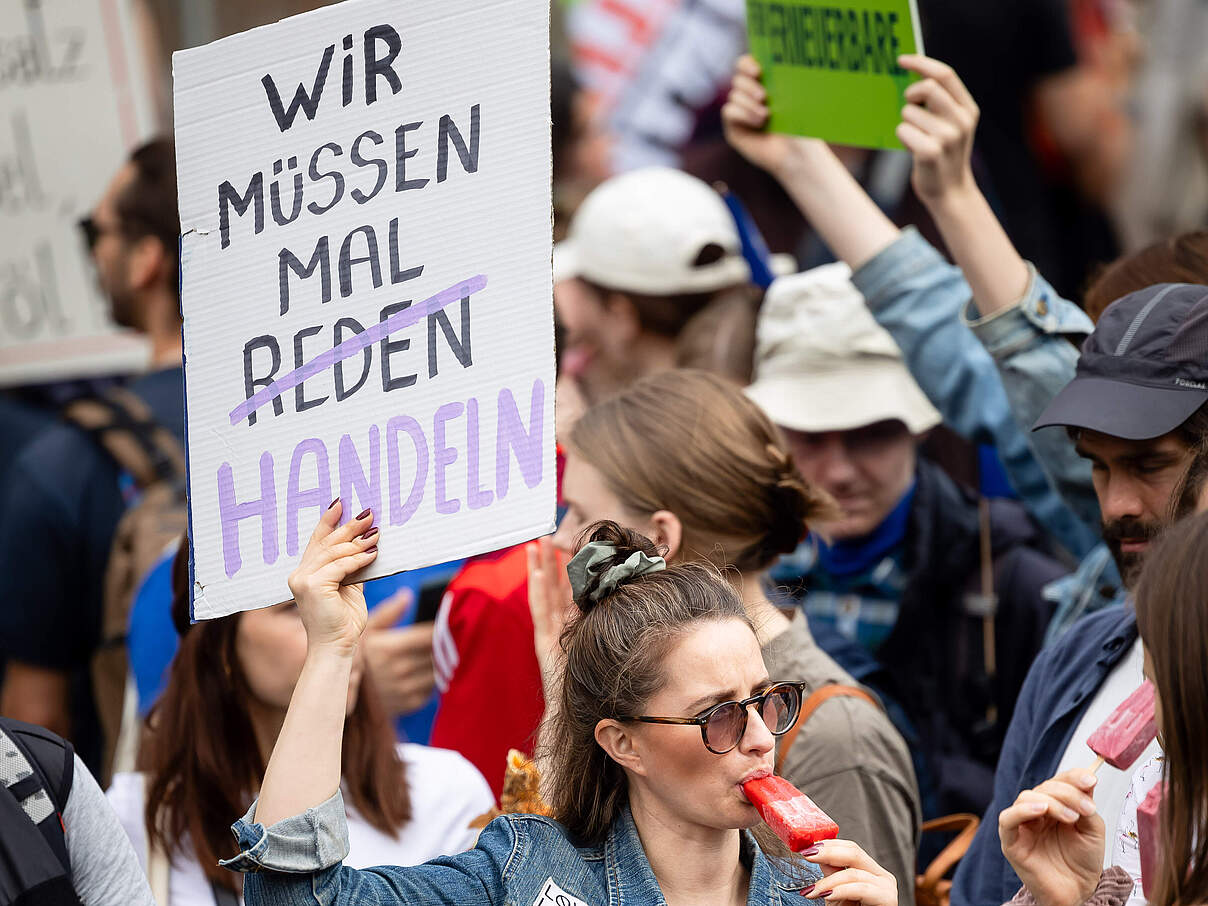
x=62 y=502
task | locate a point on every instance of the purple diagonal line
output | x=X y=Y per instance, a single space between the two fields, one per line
x=355 y=344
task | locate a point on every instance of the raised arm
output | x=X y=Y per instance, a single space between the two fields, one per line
x=1020 y=319
x=304 y=770
x=937 y=127
x=294 y=838
x=817 y=181
x=916 y=295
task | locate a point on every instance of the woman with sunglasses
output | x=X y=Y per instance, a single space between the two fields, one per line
x=686 y=459
x=645 y=813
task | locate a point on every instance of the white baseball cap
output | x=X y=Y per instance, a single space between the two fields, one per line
x=822 y=363
x=642 y=232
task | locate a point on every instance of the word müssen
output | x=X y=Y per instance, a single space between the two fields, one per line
x=321 y=183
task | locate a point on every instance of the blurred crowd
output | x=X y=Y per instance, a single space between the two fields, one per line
x=938 y=415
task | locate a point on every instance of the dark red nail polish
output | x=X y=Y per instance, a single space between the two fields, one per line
x=364 y=514
x=333 y=503
x=812 y=851
x=369 y=534
x=370 y=550
x=806 y=891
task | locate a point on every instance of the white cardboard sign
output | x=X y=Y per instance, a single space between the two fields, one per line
x=366 y=285
x=72 y=105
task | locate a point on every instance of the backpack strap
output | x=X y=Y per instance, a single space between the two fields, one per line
x=38 y=768
x=812 y=704
x=126 y=429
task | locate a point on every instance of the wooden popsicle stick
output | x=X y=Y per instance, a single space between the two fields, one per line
x=1094 y=768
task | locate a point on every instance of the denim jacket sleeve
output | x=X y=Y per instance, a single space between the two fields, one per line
x=918 y=296
x=297 y=862
x=1030 y=344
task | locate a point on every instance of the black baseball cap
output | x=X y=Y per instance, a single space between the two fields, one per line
x=1143 y=370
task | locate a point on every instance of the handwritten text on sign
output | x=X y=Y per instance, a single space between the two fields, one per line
x=366 y=288
x=831 y=66
x=67 y=69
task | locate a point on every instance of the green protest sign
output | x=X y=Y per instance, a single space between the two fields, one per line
x=830 y=66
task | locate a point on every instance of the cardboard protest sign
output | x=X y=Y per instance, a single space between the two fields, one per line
x=72 y=105
x=365 y=206
x=830 y=66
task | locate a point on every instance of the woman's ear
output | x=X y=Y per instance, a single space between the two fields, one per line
x=618 y=743
x=667 y=532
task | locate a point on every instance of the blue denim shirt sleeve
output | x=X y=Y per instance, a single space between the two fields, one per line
x=1030 y=343
x=1093 y=586
x=297 y=862
x=311 y=841
x=918 y=296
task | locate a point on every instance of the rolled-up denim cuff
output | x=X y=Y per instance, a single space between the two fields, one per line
x=1039 y=312
x=309 y=842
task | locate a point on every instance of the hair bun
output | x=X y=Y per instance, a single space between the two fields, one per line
x=607 y=556
x=795 y=504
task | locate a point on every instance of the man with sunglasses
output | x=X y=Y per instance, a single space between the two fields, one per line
x=894 y=590
x=64 y=495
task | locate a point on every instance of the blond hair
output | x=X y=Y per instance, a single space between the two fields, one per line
x=691 y=443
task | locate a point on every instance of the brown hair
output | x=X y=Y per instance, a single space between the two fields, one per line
x=668 y=315
x=615 y=651
x=148 y=207
x=1180 y=259
x=693 y=444
x=720 y=338
x=614 y=655
x=1172 y=616
x=1186 y=496
x=202 y=761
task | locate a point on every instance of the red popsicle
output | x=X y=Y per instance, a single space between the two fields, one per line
x=1128 y=730
x=790 y=813
x=1148 y=836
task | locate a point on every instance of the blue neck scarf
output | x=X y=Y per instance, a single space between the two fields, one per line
x=853 y=555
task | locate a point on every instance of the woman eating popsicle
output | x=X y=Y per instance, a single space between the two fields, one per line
x=666 y=713
x=666 y=709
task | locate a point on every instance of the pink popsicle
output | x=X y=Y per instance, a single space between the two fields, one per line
x=790 y=813
x=1128 y=730
x=1148 y=836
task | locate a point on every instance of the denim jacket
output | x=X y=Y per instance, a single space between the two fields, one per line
x=990 y=378
x=1029 y=343
x=519 y=860
x=918 y=297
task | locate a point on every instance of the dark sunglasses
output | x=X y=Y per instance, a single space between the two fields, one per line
x=723 y=725
x=93 y=231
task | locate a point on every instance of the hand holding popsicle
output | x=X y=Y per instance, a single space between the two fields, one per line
x=1054 y=839
x=851 y=875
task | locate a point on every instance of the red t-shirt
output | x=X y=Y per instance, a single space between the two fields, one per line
x=486 y=666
